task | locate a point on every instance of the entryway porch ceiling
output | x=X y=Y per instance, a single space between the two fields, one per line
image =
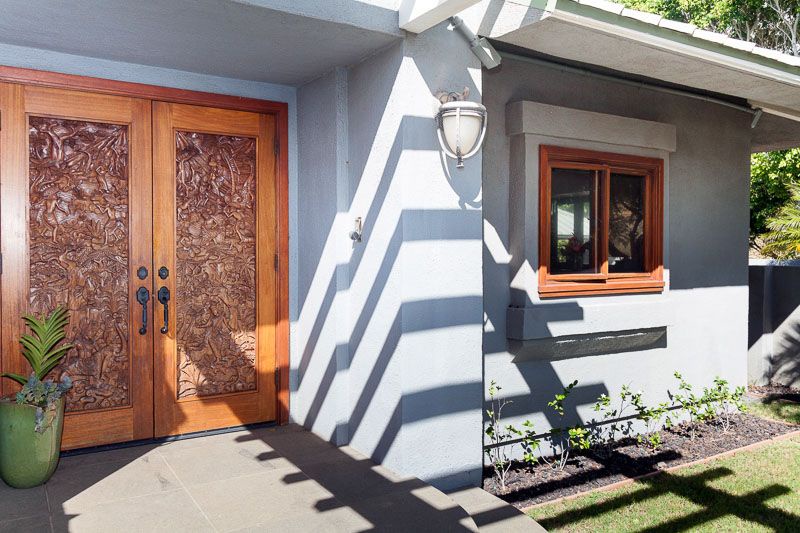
x=287 y=42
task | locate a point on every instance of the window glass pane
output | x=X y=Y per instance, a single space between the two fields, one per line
x=626 y=224
x=573 y=221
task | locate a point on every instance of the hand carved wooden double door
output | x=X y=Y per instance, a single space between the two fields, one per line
x=154 y=224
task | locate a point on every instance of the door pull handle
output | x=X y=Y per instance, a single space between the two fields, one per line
x=142 y=296
x=163 y=298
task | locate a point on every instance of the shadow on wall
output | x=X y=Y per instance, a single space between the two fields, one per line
x=774 y=330
x=349 y=384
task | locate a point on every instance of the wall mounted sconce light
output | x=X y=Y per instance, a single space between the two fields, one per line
x=461 y=126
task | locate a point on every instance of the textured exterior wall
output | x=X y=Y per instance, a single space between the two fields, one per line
x=774 y=329
x=697 y=326
x=389 y=330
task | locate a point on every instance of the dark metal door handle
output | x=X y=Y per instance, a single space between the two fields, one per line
x=142 y=296
x=163 y=298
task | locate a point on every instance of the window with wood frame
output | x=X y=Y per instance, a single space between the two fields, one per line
x=600 y=223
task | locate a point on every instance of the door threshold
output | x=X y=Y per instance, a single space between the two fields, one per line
x=163 y=440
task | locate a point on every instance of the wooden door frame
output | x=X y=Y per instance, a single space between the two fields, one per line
x=24 y=76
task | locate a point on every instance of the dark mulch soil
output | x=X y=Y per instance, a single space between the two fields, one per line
x=769 y=393
x=529 y=486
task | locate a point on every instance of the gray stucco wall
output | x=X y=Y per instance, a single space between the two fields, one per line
x=774 y=329
x=697 y=326
x=389 y=330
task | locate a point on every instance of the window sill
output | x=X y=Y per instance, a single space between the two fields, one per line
x=625 y=286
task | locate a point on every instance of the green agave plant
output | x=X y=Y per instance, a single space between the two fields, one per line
x=42 y=348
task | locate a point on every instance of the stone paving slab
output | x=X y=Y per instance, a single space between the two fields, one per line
x=271 y=479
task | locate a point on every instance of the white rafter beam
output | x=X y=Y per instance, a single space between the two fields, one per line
x=417 y=16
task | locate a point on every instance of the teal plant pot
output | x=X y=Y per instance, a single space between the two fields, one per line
x=28 y=458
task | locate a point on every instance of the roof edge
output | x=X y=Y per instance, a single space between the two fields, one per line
x=684 y=39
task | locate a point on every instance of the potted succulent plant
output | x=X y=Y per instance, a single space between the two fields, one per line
x=31 y=421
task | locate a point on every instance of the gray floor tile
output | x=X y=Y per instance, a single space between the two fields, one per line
x=169 y=511
x=34 y=524
x=110 y=456
x=260 y=498
x=218 y=460
x=420 y=510
x=342 y=520
x=355 y=479
x=73 y=488
x=21 y=503
x=270 y=479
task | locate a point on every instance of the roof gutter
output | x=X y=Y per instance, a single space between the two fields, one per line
x=753 y=111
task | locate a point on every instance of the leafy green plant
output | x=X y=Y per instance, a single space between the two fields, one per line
x=783 y=239
x=503 y=439
x=771 y=177
x=652 y=417
x=43 y=349
x=605 y=439
x=568 y=439
x=724 y=403
x=558 y=401
x=694 y=408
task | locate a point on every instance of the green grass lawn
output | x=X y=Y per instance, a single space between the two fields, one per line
x=758 y=490
x=777 y=410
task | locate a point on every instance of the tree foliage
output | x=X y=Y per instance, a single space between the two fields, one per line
x=769 y=23
x=771 y=176
x=783 y=239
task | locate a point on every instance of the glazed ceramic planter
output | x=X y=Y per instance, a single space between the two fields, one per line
x=28 y=458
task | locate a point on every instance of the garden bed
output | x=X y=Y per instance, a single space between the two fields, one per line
x=528 y=486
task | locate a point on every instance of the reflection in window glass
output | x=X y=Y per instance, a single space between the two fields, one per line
x=626 y=224
x=573 y=221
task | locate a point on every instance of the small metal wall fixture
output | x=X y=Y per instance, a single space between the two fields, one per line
x=355 y=235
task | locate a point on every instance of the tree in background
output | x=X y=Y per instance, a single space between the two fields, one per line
x=771 y=176
x=772 y=24
x=783 y=239
x=769 y=23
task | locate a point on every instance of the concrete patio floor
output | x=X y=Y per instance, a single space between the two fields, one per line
x=270 y=479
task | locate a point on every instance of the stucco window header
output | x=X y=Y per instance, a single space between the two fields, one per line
x=534 y=118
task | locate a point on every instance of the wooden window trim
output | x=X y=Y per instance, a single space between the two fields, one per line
x=602 y=283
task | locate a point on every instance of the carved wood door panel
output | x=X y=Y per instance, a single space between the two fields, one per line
x=214 y=243
x=76 y=227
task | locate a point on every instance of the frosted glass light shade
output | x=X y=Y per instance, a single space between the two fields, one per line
x=462 y=126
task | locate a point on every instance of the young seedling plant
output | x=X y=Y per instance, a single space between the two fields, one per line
x=652 y=417
x=503 y=439
x=724 y=403
x=611 y=415
x=694 y=408
x=566 y=439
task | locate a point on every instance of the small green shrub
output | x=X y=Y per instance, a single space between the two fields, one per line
x=503 y=439
x=723 y=402
x=605 y=440
x=653 y=418
x=691 y=406
x=565 y=440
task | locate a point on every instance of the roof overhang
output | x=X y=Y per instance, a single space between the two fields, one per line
x=605 y=34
